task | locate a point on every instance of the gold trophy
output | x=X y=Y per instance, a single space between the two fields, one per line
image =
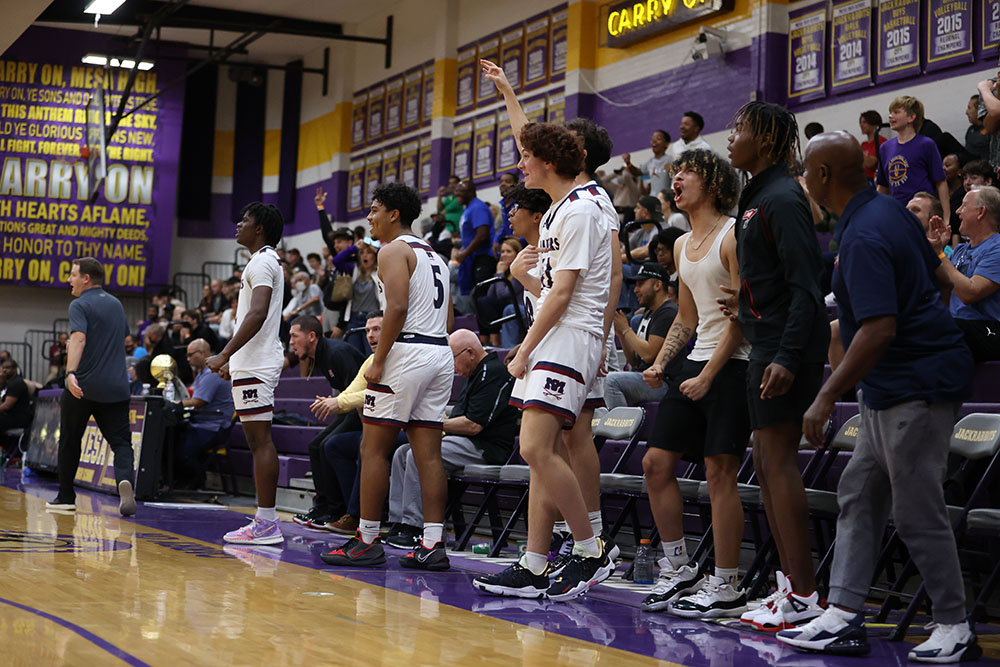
x=163 y=368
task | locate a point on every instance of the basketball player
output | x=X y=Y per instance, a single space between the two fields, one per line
x=409 y=381
x=254 y=357
x=703 y=415
x=782 y=314
x=559 y=358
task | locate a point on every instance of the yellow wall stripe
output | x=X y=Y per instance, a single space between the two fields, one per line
x=445 y=80
x=323 y=137
x=272 y=152
x=222 y=154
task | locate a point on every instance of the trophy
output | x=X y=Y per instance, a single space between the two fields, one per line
x=163 y=368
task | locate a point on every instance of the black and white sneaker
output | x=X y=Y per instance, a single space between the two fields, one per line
x=580 y=575
x=671 y=585
x=716 y=598
x=422 y=558
x=304 y=519
x=610 y=548
x=830 y=632
x=947 y=643
x=61 y=504
x=516 y=581
x=404 y=536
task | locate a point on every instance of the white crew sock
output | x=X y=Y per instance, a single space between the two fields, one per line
x=369 y=530
x=728 y=574
x=534 y=563
x=560 y=527
x=596 y=521
x=432 y=534
x=676 y=553
x=588 y=547
x=268 y=513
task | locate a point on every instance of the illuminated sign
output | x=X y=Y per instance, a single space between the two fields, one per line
x=625 y=23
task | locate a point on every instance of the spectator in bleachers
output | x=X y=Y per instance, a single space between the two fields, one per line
x=4 y=355
x=691 y=127
x=627 y=189
x=490 y=306
x=168 y=304
x=152 y=315
x=476 y=226
x=656 y=168
x=194 y=328
x=914 y=372
x=361 y=261
x=647 y=215
x=974 y=271
x=663 y=249
x=641 y=346
x=306 y=297
x=480 y=429
x=212 y=411
x=508 y=180
x=227 y=322
x=448 y=204
x=977 y=140
x=812 y=129
x=870 y=123
x=295 y=262
x=530 y=205
x=133 y=350
x=338 y=362
x=955 y=179
x=977 y=172
x=316 y=268
x=16 y=407
x=926 y=207
x=57 y=357
x=910 y=162
x=157 y=342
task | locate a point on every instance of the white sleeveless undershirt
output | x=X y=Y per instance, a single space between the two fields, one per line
x=703 y=279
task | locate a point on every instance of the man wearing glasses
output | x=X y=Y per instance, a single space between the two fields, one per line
x=481 y=429
x=212 y=411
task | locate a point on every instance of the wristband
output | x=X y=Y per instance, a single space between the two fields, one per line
x=941 y=255
x=68 y=373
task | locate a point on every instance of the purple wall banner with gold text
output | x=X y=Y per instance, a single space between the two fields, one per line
x=486 y=92
x=556 y=108
x=356 y=186
x=512 y=56
x=427 y=95
x=990 y=34
x=534 y=109
x=46 y=219
x=485 y=146
x=559 y=42
x=408 y=164
x=413 y=80
x=359 y=119
x=851 y=39
x=390 y=164
x=461 y=151
x=373 y=175
x=536 y=52
x=393 y=106
x=898 y=39
x=424 y=164
x=376 y=112
x=806 y=46
x=466 y=79
x=949 y=33
x=507 y=155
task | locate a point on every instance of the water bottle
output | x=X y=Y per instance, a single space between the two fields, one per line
x=168 y=392
x=642 y=570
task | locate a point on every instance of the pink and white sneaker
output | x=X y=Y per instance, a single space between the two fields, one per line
x=258 y=531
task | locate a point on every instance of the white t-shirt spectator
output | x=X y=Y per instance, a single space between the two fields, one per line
x=679 y=146
x=299 y=298
x=227 y=324
x=658 y=170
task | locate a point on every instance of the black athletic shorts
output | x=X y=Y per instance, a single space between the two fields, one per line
x=717 y=424
x=790 y=406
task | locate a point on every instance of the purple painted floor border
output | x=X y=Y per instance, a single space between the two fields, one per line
x=596 y=618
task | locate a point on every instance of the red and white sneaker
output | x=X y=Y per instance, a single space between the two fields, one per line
x=790 y=612
x=766 y=606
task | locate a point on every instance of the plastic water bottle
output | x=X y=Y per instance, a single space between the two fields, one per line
x=168 y=392
x=642 y=571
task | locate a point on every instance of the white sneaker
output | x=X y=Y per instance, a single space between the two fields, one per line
x=792 y=611
x=717 y=598
x=834 y=631
x=766 y=605
x=670 y=585
x=947 y=643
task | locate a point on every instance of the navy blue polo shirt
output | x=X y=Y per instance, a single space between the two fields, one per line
x=101 y=372
x=885 y=266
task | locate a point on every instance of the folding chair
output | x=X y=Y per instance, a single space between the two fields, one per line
x=985 y=522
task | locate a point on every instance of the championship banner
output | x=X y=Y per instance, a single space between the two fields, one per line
x=486 y=92
x=355 y=186
x=390 y=164
x=512 y=56
x=466 y=97
x=507 y=156
x=376 y=111
x=47 y=132
x=485 y=143
x=461 y=151
x=408 y=164
x=949 y=33
x=534 y=109
x=97 y=460
x=557 y=108
x=536 y=52
x=559 y=39
x=850 y=57
x=412 y=83
x=427 y=95
x=373 y=175
x=359 y=119
x=806 y=46
x=393 y=106
x=424 y=165
x=990 y=38
x=898 y=35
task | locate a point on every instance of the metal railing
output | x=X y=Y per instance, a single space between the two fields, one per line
x=219 y=270
x=20 y=351
x=192 y=284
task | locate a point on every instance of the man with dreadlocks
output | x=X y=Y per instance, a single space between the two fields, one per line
x=782 y=315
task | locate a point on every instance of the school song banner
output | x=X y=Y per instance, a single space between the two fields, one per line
x=485 y=142
x=393 y=106
x=390 y=164
x=949 y=33
x=46 y=219
x=466 y=95
x=413 y=81
x=559 y=40
x=408 y=164
x=425 y=164
x=373 y=175
x=486 y=91
x=512 y=55
x=990 y=37
x=534 y=109
x=898 y=37
x=507 y=157
x=806 y=46
x=461 y=151
x=850 y=57
x=376 y=111
x=536 y=52
x=355 y=186
x=557 y=108
x=359 y=119
x=427 y=95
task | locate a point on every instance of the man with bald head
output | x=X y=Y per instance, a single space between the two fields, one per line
x=212 y=410
x=914 y=368
x=974 y=270
x=481 y=429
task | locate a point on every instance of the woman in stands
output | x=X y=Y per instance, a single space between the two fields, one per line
x=491 y=305
x=361 y=260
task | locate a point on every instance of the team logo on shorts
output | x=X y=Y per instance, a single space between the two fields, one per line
x=554 y=388
x=249 y=395
x=369 y=402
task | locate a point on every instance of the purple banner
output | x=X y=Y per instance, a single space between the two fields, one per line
x=461 y=151
x=390 y=164
x=424 y=164
x=466 y=94
x=376 y=111
x=485 y=146
x=486 y=92
x=393 y=106
x=507 y=157
x=97 y=467
x=359 y=119
x=990 y=37
x=408 y=164
x=536 y=52
x=427 y=95
x=411 y=98
x=850 y=57
x=949 y=33
x=355 y=186
x=556 y=112
x=512 y=56
x=534 y=109
x=373 y=176
x=559 y=40
x=806 y=46
x=45 y=218
x=898 y=37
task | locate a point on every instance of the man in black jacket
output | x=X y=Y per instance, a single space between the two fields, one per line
x=338 y=362
x=782 y=314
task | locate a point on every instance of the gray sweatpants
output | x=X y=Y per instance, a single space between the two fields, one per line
x=405 y=502
x=898 y=467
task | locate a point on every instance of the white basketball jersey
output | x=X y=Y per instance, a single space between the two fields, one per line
x=263 y=353
x=430 y=288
